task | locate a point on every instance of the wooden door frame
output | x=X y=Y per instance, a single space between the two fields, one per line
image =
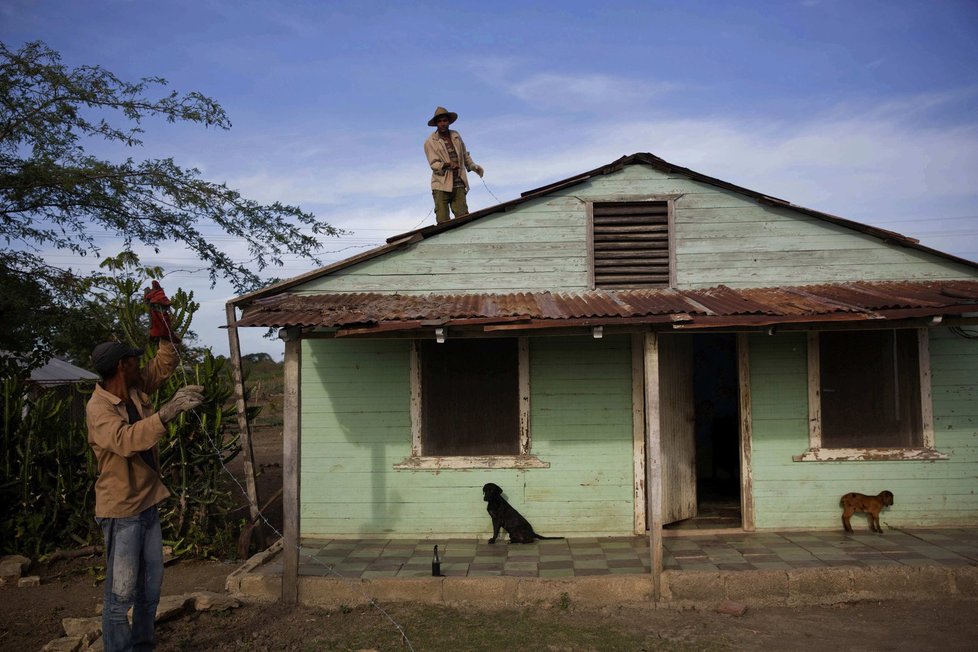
x=747 y=520
x=638 y=433
x=640 y=430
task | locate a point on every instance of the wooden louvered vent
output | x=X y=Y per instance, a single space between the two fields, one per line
x=631 y=245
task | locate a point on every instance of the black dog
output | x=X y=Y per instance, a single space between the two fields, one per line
x=504 y=516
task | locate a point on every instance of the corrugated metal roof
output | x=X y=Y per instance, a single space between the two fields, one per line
x=719 y=305
x=59 y=372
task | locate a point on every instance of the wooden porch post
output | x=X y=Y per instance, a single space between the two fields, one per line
x=290 y=467
x=653 y=460
x=244 y=427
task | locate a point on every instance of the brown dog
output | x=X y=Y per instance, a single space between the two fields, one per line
x=871 y=505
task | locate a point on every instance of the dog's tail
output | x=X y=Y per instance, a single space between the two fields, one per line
x=540 y=536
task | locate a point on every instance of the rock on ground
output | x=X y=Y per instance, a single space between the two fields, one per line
x=12 y=567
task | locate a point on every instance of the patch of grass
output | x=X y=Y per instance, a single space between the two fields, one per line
x=564 y=601
x=437 y=628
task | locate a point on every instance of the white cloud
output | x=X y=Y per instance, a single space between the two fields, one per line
x=886 y=164
x=577 y=92
x=573 y=92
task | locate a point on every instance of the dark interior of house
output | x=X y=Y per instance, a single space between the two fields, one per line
x=717 y=432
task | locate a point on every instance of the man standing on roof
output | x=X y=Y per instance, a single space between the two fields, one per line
x=449 y=160
x=124 y=434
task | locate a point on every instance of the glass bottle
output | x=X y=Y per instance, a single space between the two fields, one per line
x=435 y=564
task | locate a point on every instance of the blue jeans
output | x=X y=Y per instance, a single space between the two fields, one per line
x=133 y=578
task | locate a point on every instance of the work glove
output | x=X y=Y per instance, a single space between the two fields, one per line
x=160 y=325
x=479 y=170
x=185 y=398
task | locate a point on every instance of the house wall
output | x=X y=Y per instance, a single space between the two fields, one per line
x=356 y=427
x=721 y=237
x=790 y=494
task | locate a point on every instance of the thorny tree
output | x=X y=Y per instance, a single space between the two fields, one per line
x=55 y=196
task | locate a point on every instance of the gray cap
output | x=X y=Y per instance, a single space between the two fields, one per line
x=107 y=354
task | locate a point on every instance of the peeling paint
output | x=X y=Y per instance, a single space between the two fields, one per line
x=869 y=454
x=422 y=463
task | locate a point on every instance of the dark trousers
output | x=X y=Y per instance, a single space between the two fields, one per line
x=454 y=199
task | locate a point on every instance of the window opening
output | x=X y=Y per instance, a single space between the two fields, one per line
x=470 y=397
x=870 y=389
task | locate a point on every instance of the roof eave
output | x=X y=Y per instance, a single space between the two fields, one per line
x=282 y=286
x=683 y=322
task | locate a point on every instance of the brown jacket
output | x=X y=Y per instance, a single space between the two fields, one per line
x=126 y=485
x=440 y=161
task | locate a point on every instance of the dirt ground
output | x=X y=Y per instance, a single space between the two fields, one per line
x=30 y=617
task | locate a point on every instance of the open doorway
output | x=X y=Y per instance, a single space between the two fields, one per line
x=716 y=431
x=717 y=407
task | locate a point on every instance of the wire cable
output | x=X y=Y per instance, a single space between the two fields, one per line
x=329 y=567
x=423 y=220
x=498 y=201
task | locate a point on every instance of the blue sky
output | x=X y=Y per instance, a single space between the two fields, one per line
x=868 y=110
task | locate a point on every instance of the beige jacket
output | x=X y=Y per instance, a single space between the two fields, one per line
x=440 y=161
x=126 y=485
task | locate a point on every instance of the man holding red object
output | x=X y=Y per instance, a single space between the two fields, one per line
x=124 y=434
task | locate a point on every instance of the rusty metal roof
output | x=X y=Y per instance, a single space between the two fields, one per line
x=719 y=306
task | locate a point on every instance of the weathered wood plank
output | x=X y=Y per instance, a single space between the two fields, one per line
x=747 y=516
x=612 y=258
x=709 y=198
x=619 y=230
x=740 y=242
x=644 y=210
x=760 y=273
x=291 y=450
x=653 y=460
x=244 y=427
x=638 y=431
x=452 y=283
x=610 y=236
x=630 y=221
x=606 y=280
x=676 y=422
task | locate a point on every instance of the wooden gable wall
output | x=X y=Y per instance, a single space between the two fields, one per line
x=721 y=237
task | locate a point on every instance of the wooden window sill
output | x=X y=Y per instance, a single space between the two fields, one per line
x=869 y=454
x=425 y=463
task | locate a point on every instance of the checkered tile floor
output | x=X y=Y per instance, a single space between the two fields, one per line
x=371 y=558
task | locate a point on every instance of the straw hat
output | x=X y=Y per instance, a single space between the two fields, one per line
x=439 y=112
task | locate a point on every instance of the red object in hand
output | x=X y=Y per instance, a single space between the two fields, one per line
x=159 y=313
x=155 y=296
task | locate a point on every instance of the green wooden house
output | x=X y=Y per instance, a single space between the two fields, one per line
x=636 y=346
